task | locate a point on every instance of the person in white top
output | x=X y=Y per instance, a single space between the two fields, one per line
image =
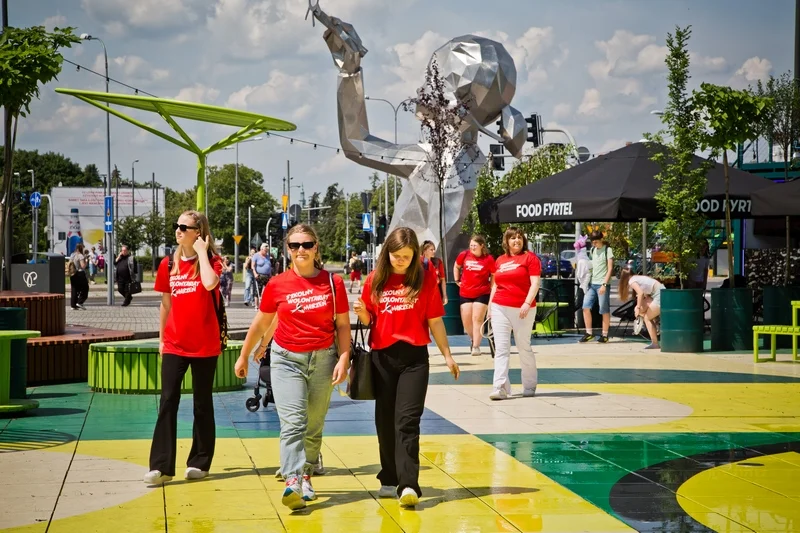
x=583 y=268
x=648 y=300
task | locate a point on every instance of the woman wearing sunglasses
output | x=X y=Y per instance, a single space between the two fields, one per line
x=188 y=337
x=313 y=315
x=401 y=303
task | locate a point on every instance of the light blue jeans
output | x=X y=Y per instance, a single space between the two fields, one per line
x=248 y=286
x=302 y=384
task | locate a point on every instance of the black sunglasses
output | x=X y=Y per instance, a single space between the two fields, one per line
x=183 y=227
x=296 y=245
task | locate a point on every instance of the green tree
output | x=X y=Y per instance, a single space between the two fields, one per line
x=154 y=231
x=781 y=125
x=29 y=58
x=131 y=232
x=731 y=117
x=221 y=200
x=485 y=189
x=682 y=184
x=175 y=203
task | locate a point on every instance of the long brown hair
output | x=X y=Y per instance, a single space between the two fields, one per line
x=308 y=230
x=624 y=283
x=201 y=221
x=514 y=231
x=398 y=239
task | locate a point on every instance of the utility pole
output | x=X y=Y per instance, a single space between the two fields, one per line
x=7 y=192
x=289 y=202
x=347 y=224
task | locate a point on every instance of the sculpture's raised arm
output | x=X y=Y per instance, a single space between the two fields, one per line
x=357 y=142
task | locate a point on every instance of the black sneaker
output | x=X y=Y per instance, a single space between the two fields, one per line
x=602 y=338
x=586 y=338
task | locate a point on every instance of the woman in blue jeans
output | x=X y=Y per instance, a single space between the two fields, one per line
x=313 y=313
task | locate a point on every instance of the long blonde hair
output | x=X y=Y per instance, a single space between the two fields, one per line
x=624 y=284
x=201 y=221
x=308 y=230
x=398 y=239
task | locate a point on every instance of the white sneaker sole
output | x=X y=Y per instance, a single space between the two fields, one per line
x=194 y=474
x=409 y=499
x=156 y=480
x=292 y=500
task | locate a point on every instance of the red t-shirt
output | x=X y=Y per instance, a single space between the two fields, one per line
x=305 y=309
x=512 y=276
x=436 y=266
x=192 y=329
x=475 y=273
x=395 y=319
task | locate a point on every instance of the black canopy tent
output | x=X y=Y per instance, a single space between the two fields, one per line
x=616 y=187
x=781 y=200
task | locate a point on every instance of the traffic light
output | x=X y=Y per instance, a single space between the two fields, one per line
x=534 y=129
x=366 y=236
x=500 y=126
x=498 y=163
x=381 y=230
x=275 y=229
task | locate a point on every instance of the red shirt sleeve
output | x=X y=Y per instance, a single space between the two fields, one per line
x=460 y=258
x=366 y=295
x=491 y=264
x=441 y=270
x=162 y=276
x=534 y=265
x=342 y=303
x=269 y=302
x=216 y=264
x=433 y=307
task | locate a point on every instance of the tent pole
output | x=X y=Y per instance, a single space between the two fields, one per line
x=644 y=246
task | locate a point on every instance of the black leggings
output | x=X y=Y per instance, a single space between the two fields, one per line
x=79 y=289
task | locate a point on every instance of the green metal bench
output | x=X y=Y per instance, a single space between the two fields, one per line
x=134 y=367
x=7 y=405
x=773 y=331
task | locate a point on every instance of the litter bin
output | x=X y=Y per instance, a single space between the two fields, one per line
x=15 y=318
x=44 y=275
x=452 y=311
x=682 y=322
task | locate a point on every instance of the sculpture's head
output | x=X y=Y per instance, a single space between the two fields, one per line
x=480 y=73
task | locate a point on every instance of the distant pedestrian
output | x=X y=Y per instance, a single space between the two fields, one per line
x=473 y=272
x=189 y=337
x=435 y=265
x=125 y=269
x=92 y=264
x=249 y=277
x=602 y=257
x=262 y=267
x=79 y=284
x=226 y=279
x=355 y=265
x=648 y=301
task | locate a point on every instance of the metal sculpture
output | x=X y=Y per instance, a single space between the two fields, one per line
x=478 y=72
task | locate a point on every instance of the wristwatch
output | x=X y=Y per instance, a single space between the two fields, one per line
x=605 y=285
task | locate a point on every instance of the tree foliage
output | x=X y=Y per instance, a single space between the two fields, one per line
x=682 y=184
x=29 y=58
x=731 y=117
x=130 y=231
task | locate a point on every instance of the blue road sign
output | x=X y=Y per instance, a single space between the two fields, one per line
x=365 y=225
x=348 y=246
x=36 y=200
x=284 y=220
x=108 y=214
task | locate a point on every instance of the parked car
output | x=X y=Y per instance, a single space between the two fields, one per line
x=549 y=267
x=571 y=256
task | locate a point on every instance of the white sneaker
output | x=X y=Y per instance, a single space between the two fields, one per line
x=500 y=394
x=529 y=393
x=307 y=488
x=476 y=352
x=194 y=473
x=293 y=494
x=387 y=491
x=408 y=498
x=155 y=477
x=319 y=468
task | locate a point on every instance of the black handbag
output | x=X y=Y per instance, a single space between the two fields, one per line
x=134 y=287
x=360 y=385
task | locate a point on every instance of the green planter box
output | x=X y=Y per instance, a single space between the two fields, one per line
x=564 y=291
x=778 y=312
x=682 y=320
x=15 y=319
x=731 y=319
x=452 y=311
x=134 y=367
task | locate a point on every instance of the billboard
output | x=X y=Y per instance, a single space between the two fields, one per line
x=78 y=213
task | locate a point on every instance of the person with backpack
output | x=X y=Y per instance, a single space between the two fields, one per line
x=78 y=282
x=310 y=354
x=435 y=265
x=355 y=265
x=190 y=335
x=602 y=258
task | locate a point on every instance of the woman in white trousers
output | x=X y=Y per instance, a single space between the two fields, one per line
x=512 y=307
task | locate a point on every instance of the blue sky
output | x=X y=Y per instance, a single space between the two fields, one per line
x=593 y=67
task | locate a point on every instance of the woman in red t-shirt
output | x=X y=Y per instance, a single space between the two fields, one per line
x=312 y=313
x=435 y=265
x=512 y=307
x=401 y=303
x=473 y=272
x=188 y=337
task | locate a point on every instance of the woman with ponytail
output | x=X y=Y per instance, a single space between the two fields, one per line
x=188 y=337
x=313 y=314
x=648 y=301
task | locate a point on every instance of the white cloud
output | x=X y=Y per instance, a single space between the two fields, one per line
x=333 y=164
x=410 y=62
x=118 y=16
x=56 y=21
x=611 y=145
x=279 y=88
x=301 y=112
x=198 y=93
x=134 y=69
x=755 y=69
x=68 y=117
x=562 y=110
x=590 y=105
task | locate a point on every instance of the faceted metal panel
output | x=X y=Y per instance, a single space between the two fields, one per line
x=478 y=72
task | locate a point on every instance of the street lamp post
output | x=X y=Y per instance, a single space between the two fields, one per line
x=236 y=207
x=110 y=235
x=395 y=109
x=34 y=218
x=249 y=226
x=133 y=184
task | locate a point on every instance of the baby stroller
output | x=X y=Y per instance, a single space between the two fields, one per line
x=252 y=404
